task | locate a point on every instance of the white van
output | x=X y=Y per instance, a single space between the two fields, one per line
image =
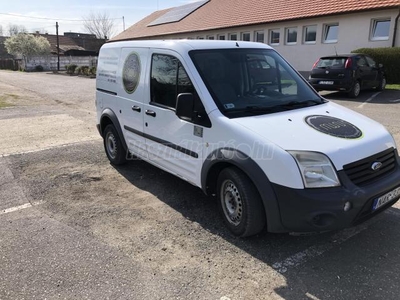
x=236 y=120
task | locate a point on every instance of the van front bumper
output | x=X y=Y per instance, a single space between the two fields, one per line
x=310 y=210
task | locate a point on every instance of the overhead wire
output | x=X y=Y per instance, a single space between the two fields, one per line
x=51 y=19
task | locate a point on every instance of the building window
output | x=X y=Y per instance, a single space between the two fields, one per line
x=200 y=38
x=221 y=37
x=291 y=36
x=331 y=33
x=233 y=36
x=246 y=36
x=210 y=37
x=310 y=34
x=274 y=36
x=380 y=30
x=259 y=37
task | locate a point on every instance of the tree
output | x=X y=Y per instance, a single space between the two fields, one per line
x=1 y=30
x=14 y=29
x=27 y=45
x=99 y=24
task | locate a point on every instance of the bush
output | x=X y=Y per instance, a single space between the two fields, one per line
x=78 y=70
x=389 y=57
x=39 y=68
x=71 y=68
x=92 y=71
x=85 y=70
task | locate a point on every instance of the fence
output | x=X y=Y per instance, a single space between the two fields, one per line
x=9 y=64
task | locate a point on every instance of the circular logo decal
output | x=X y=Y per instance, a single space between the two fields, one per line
x=334 y=127
x=131 y=73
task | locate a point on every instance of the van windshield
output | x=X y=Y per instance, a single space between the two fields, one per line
x=247 y=82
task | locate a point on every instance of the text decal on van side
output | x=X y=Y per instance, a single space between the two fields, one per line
x=131 y=73
x=334 y=127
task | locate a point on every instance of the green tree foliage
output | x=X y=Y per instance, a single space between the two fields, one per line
x=27 y=45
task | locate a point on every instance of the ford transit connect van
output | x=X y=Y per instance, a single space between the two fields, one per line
x=236 y=120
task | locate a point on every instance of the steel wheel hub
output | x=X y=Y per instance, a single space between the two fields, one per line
x=231 y=202
x=111 y=144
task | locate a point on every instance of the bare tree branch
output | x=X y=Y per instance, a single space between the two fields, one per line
x=14 y=29
x=99 y=24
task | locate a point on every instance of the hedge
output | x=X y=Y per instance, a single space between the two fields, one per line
x=389 y=57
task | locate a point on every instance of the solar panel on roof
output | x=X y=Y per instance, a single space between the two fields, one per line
x=178 y=13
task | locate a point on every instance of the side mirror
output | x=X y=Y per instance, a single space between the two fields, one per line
x=184 y=106
x=380 y=66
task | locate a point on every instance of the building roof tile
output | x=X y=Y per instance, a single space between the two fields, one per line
x=218 y=14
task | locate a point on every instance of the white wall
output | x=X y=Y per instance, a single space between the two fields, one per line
x=354 y=33
x=50 y=62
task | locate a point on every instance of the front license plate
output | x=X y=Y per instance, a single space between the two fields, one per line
x=326 y=82
x=386 y=198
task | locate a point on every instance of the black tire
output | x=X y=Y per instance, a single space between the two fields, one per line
x=382 y=84
x=240 y=203
x=355 y=90
x=113 y=146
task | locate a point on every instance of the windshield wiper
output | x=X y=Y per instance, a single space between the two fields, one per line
x=307 y=103
x=252 y=108
x=275 y=108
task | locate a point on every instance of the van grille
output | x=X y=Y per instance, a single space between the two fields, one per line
x=361 y=172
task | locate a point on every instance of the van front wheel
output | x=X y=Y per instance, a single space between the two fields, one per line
x=113 y=146
x=240 y=203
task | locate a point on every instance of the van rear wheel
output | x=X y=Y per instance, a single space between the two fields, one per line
x=113 y=146
x=240 y=203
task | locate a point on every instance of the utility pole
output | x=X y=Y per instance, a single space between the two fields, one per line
x=58 y=48
x=123 y=22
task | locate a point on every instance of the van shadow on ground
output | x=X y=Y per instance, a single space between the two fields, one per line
x=364 y=267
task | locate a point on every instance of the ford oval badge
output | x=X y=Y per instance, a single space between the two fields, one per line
x=376 y=165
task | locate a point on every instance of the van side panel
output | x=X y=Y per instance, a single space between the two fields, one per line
x=132 y=85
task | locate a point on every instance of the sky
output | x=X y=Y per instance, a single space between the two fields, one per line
x=42 y=15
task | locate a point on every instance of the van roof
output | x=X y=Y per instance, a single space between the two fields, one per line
x=186 y=45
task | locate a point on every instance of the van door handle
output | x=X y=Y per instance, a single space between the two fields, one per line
x=150 y=113
x=136 y=108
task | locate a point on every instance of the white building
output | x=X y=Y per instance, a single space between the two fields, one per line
x=301 y=30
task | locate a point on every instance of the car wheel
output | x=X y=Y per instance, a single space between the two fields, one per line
x=113 y=146
x=382 y=84
x=355 y=90
x=240 y=203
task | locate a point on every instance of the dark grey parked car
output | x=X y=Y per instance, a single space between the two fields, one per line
x=349 y=73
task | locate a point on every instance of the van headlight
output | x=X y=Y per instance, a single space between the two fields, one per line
x=316 y=169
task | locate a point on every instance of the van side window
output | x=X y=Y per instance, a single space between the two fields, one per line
x=168 y=80
x=164 y=70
